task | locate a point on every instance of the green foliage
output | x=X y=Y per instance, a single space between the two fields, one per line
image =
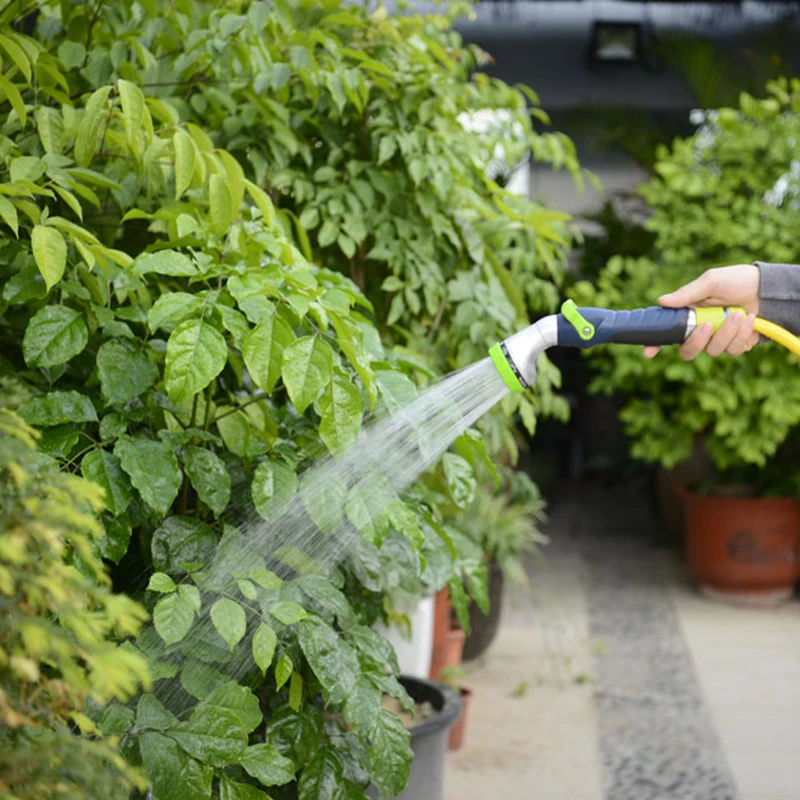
x=227 y=234
x=714 y=201
x=57 y=648
x=504 y=523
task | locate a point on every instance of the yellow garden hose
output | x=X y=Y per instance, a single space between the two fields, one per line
x=777 y=334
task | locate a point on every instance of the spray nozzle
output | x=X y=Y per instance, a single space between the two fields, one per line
x=515 y=358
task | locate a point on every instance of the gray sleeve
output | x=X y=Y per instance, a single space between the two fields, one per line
x=779 y=295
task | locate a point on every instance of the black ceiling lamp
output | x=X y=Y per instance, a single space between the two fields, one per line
x=616 y=43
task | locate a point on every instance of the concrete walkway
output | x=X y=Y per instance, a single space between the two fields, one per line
x=614 y=680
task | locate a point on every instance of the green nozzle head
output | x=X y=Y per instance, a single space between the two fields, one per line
x=507 y=372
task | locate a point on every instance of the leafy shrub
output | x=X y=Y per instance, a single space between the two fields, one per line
x=57 y=648
x=722 y=196
x=181 y=347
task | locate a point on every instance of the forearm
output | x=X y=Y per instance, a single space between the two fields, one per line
x=779 y=295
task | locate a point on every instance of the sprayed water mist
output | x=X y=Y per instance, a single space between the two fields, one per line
x=336 y=499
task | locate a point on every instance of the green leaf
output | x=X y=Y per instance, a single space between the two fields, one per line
x=327 y=233
x=8 y=213
x=287 y=612
x=212 y=735
x=172 y=617
x=397 y=390
x=460 y=601
x=184 y=161
x=165 y=262
x=386 y=149
x=112 y=426
x=366 y=507
x=333 y=660
x=90 y=131
x=209 y=476
x=124 y=371
x=18 y=56
x=306 y=368
x=116 y=720
x=50 y=253
x=390 y=754
x=151 y=713
x=230 y=621
x=362 y=707
x=283 y=671
x=201 y=680
x=295 y=691
x=191 y=594
x=161 y=582
x=235 y=323
x=54 y=335
x=71 y=54
x=264 y=578
x=263 y=350
x=133 y=108
x=50 y=125
x=15 y=98
x=323 y=495
x=230 y=790
x=196 y=354
x=322 y=777
x=56 y=408
x=340 y=410
x=153 y=470
x=332 y=603
x=238 y=701
x=374 y=648
x=182 y=540
x=114 y=544
x=172 y=308
x=274 y=485
x=172 y=773
x=264 y=642
x=262 y=201
x=264 y=763
x=104 y=468
x=220 y=203
x=460 y=479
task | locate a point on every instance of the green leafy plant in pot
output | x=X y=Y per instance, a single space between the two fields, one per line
x=503 y=521
x=725 y=195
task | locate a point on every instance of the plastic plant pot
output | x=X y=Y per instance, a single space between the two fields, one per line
x=429 y=739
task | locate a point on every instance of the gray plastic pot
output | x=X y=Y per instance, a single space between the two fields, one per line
x=429 y=739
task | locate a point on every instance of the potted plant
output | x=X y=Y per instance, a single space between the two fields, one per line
x=436 y=709
x=504 y=523
x=452 y=677
x=719 y=196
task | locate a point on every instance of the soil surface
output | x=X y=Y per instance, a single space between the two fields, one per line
x=422 y=711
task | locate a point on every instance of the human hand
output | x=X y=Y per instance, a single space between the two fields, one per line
x=724 y=286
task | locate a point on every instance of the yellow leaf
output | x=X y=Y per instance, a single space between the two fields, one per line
x=50 y=253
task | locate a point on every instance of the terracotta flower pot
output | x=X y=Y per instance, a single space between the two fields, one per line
x=441 y=625
x=458 y=730
x=742 y=548
x=449 y=655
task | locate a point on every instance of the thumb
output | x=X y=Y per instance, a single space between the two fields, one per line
x=692 y=293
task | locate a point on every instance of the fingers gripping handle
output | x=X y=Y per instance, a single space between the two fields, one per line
x=587 y=327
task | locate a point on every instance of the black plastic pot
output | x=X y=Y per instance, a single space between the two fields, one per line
x=429 y=739
x=483 y=628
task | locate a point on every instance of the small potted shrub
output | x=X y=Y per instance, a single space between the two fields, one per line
x=728 y=194
x=505 y=526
